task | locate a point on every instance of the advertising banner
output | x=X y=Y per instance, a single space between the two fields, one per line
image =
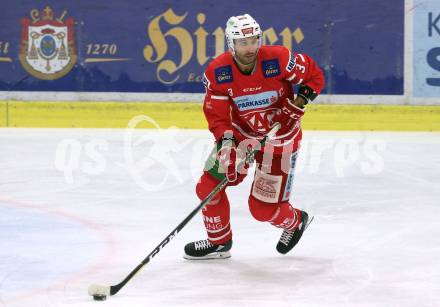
x=426 y=46
x=150 y=46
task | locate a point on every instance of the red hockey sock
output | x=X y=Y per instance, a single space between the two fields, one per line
x=286 y=217
x=216 y=213
x=216 y=219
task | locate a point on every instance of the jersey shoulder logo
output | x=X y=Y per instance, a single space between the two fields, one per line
x=223 y=74
x=271 y=68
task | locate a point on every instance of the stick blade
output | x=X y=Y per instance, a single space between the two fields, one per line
x=98 y=290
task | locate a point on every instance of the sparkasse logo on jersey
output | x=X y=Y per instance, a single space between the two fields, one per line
x=256 y=101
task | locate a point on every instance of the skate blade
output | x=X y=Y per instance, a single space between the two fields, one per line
x=309 y=222
x=212 y=256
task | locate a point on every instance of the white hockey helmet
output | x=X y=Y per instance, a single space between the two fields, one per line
x=242 y=26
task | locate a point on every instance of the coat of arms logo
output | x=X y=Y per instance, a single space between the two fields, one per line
x=47 y=49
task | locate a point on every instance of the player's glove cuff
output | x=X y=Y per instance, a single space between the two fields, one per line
x=307 y=93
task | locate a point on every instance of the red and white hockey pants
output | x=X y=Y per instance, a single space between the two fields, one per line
x=268 y=200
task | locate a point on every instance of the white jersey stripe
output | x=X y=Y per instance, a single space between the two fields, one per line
x=220 y=97
x=291 y=77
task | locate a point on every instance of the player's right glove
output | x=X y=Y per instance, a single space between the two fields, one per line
x=306 y=93
x=290 y=110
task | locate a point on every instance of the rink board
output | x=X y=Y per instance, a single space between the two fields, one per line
x=190 y=116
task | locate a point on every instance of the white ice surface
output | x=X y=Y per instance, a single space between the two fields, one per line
x=86 y=206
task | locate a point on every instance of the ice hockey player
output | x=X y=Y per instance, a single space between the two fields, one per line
x=249 y=88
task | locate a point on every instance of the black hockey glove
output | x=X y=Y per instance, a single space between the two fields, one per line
x=307 y=93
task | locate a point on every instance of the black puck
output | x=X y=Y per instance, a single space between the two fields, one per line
x=100 y=297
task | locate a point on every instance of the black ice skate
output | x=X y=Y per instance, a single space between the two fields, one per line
x=203 y=249
x=289 y=239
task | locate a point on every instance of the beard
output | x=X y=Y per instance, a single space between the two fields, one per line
x=247 y=59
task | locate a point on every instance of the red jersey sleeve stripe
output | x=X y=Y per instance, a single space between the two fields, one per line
x=220 y=97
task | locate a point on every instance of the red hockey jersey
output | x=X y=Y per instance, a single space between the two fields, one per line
x=249 y=105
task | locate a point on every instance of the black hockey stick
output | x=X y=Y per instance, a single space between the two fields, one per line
x=101 y=292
